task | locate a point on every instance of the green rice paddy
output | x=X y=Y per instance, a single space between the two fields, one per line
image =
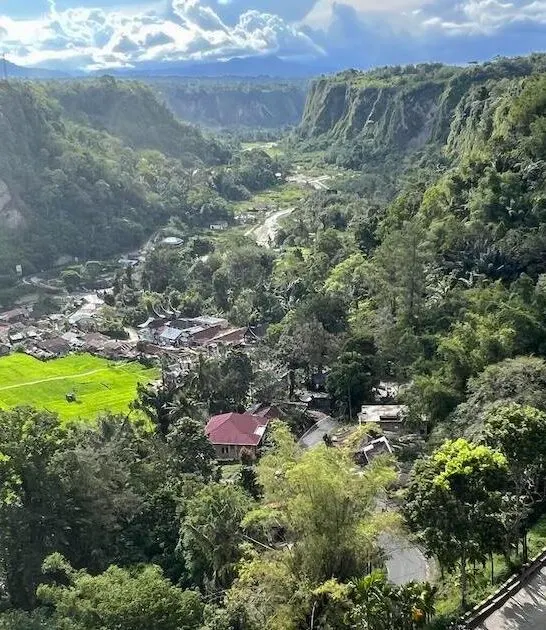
x=99 y=385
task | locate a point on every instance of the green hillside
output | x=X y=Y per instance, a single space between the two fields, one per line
x=130 y=111
x=72 y=181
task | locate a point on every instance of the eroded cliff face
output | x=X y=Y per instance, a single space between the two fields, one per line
x=11 y=217
x=399 y=111
x=228 y=106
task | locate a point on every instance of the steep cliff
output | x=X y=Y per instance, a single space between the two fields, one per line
x=398 y=112
x=234 y=104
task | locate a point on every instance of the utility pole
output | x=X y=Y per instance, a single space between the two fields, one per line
x=4 y=67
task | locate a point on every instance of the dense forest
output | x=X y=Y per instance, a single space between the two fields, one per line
x=89 y=169
x=433 y=278
x=422 y=266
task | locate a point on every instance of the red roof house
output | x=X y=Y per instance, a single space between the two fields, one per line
x=231 y=432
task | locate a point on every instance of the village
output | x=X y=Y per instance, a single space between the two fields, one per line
x=175 y=342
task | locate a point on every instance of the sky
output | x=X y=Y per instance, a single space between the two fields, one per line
x=100 y=34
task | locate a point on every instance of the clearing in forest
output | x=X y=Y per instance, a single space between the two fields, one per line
x=98 y=385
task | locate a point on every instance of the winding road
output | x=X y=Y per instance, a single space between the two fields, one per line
x=265 y=232
x=405 y=562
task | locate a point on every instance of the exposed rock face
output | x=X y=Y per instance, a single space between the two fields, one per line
x=235 y=105
x=399 y=111
x=10 y=217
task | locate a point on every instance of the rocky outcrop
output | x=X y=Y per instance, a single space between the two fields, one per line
x=11 y=218
x=233 y=104
x=399 y=111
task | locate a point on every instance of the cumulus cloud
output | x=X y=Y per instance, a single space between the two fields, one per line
x=486 y=17
x=188 y=30
x=348 y=32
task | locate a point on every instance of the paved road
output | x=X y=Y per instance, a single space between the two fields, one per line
x=324 y=426
x=525 y=611
x=405 y=563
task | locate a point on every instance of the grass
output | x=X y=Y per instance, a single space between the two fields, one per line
x=99 y=385
x=480 y=586
x=281 y=196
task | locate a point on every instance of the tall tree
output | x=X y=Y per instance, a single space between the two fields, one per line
x=519 y=432
x=327 y=508
x=455 y=504
x=352 y=380
x=210 y=535
x=32 y=523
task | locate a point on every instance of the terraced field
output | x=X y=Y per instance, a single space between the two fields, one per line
x=98 y=384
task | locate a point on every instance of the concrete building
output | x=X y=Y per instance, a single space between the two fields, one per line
x=388 y=417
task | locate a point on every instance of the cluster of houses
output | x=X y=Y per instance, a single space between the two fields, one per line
x=75 y=330
x=56 y=335
x=194 y=332
x=233 y=433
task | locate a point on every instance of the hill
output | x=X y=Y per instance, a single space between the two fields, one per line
x=234 y=103
x=13 y=71
x=72 y=180
x=130 y=111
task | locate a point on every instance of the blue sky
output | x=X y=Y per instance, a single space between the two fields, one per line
x=102 y=34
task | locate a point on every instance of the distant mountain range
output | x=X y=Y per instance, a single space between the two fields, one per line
x=266 y=66
x=19 y=72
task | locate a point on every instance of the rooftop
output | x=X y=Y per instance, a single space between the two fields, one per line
x=240 y=429
x=383 y=413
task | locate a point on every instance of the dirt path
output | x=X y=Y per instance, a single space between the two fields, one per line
x=265 y=232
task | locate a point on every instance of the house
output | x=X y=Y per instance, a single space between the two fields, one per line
x=229 y=433
x=170 y=336
x=95 y=342
x=58 y=347
x=201 y=334
x=234 y=337
x=219 y=227
x=317 y=401
x=388 y=417
x=369 y=450
x=16 y=337
x=271 y=412
x=13 y=316
x=73 y=339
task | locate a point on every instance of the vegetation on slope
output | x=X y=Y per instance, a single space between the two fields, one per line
x=390 y=114
x=130 y=111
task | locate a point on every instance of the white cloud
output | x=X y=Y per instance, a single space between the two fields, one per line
x=187 y=30
x=321 y=15
x=353 y=31
x=485 y=17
